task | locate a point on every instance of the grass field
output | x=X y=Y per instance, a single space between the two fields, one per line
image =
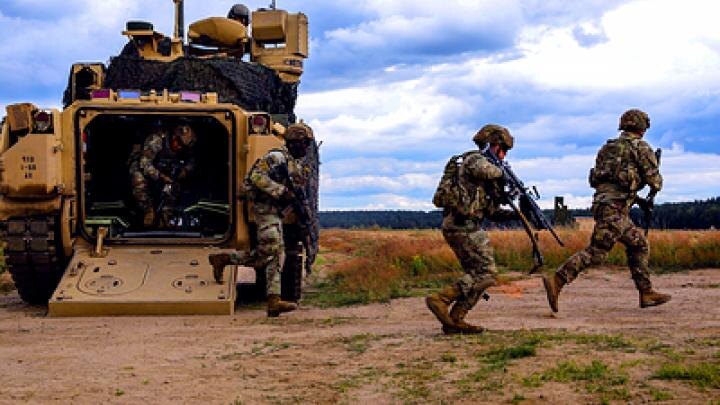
x=364 y=266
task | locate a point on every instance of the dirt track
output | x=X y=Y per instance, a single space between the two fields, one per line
x=382 y=353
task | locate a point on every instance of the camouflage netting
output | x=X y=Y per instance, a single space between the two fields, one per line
x=312 y=191
x=253 y=87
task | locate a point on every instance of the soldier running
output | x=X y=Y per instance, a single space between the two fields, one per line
x=269 y=186
x=623 y=166
x=166 y=158
x=472 y=190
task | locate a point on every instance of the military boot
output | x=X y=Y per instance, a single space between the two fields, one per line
x=149 y=217
x=275 y=306
x=650 y=298
x=218 y=262
x=438 y=304
x=553 y=284
x=457 y=315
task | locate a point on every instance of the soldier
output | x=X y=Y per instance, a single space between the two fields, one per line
x=623 y=166
x=269 y=185
x=477 y=185
x=165 y=159
x=240 y=13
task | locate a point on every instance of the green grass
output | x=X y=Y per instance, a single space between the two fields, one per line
x=413 y=379
x=448 y=358
x=494 y=363
x=705 y=375
x=359 y=344
x=333 y=293
x=517 y=398
x=606 y=342
x=571 y=371
x=660 y=395
x=598 y=378
x=499 y=358
x=366 y=375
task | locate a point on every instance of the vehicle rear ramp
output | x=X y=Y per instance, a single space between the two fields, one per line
x=143 y=281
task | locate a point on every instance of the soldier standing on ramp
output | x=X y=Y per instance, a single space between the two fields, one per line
x=269 y=185
x=623 y=166
x=470 y=190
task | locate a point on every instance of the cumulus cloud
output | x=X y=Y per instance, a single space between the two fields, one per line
x=385 y=201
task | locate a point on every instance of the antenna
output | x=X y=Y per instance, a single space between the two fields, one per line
x=179 y=20
x=272 y=5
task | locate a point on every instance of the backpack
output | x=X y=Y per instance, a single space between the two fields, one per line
x=616 y=163
x=450 y=192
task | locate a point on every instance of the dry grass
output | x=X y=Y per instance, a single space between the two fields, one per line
x=377 y=265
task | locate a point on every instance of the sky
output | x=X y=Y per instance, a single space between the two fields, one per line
x=394 y=88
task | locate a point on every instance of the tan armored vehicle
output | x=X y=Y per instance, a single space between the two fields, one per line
x=74 y=234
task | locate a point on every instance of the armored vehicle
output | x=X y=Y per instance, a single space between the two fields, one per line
x=76 y=236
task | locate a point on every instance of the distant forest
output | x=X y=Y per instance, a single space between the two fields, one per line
x=687 y=215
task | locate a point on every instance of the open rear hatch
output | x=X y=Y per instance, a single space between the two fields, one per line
x=143 y=281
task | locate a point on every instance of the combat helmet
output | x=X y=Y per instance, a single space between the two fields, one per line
x=241 y=13
x=492 y=133
x=634 y=120
x=299 y=132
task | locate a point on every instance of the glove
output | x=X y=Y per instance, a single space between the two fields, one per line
x=288 y=196
x=165 y=179
x=644 y=203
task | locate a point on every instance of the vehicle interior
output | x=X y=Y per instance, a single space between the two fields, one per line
x=196 y=204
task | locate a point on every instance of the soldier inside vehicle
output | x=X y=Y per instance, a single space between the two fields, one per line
x=146 y=176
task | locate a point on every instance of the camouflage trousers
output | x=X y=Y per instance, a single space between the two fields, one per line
x=270 y=252
x=471 y=245
x=612 y=224
x=140 y=189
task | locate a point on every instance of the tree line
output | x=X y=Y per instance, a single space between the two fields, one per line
x=703 y=214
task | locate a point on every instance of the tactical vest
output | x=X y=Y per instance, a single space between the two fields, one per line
x=617 y=164
x=279 y=174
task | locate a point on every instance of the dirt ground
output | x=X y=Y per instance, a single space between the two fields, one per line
x=601 y=347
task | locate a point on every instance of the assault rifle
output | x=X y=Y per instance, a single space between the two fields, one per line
x=305 y=220
x=647 y=204
x=530 y=214
x=173 y=170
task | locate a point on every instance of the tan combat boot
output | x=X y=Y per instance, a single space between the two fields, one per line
x=149 y=217
x=218 y=262
x=457 y=315
x=275 y=306
x=438 y=304
x=650 y=298
x=553 y=284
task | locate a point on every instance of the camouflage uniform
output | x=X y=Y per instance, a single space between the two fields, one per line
x=266 y=183
x=156 y=157
x=611 y=206
x=481 y=180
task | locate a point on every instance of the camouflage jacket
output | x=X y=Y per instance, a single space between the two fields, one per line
x=158 y=157
x=481 y=182
x=641 y=163
x=270 y=177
